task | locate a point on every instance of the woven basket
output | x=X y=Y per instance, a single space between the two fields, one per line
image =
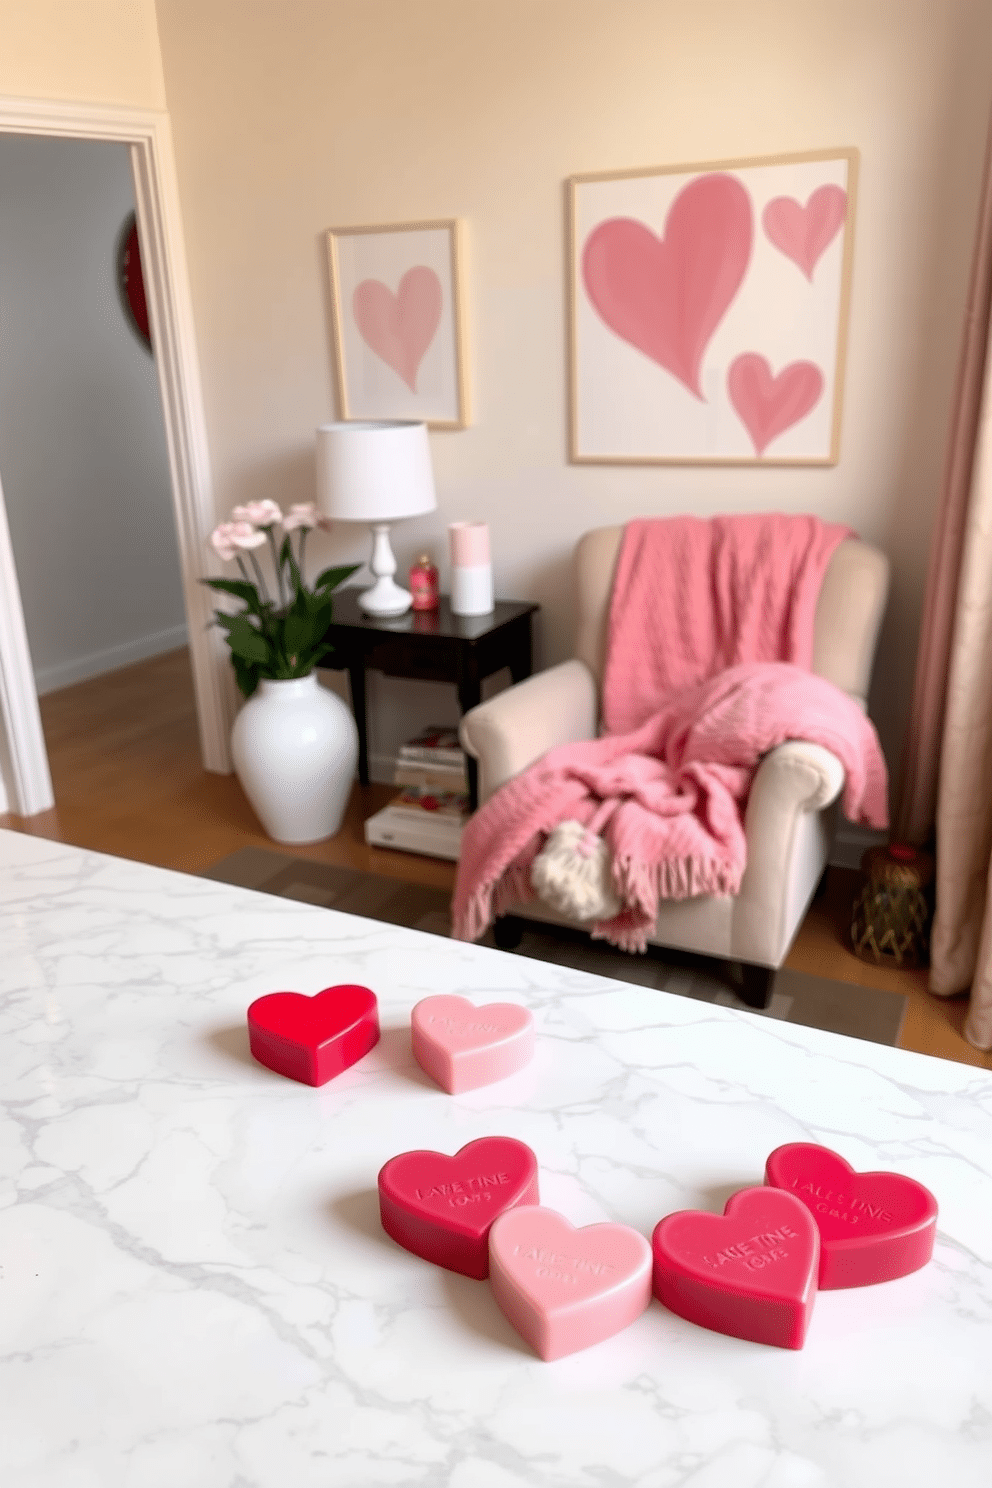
x=890 y=924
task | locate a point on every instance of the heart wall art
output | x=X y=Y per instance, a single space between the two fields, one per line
x=396 y=301
x=708 y=311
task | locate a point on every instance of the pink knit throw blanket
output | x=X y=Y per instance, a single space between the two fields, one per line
x=709 y=648
x=678 y=785
x=692 y=597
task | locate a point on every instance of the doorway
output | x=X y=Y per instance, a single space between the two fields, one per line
x=23 y=760
x=85 y=466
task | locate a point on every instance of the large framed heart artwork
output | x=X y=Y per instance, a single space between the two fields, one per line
x=708 y=311
x=398 y=322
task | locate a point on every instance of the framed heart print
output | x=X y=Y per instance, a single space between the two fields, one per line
x=708 y=311
x=396 y=301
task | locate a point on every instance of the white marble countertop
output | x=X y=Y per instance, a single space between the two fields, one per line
x=195 y=1291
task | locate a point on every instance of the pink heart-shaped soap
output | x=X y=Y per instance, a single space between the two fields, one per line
x=312 y=1039
x=873 y=1226
x=462 y=1046
x=442 y=1207
x=750 y=1272
x=562 y=1288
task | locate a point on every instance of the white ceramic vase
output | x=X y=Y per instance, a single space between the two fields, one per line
x=295 y=748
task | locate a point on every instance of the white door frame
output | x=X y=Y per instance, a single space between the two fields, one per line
x=24 y=775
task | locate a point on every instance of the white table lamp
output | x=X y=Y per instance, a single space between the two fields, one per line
x=376 y=472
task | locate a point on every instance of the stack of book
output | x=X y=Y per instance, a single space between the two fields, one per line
x=435 y=758
x=430 y=811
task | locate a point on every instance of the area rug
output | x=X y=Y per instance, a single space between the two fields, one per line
x=816 y=1002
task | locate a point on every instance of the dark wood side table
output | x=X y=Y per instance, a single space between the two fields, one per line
x=431 y=646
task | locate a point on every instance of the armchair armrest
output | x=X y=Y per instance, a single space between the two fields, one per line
x=803 y=776
x=513 y=729
x=787 y=846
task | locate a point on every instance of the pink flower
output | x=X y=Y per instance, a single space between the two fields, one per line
x=259 y=513
x=303 y=514
x=230 y=537
x=220 y=541
x=244 y=535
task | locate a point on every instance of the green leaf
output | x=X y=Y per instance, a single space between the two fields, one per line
x=246 y=675
x=299 y=634
x=322 y=616
x=240 y=588
x=245 y=641
x=332 y=577
x=235 y=622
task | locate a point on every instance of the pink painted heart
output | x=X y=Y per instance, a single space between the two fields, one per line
x=442 y=1208
x=768 y=405
x=564 y=1289
x=462 y=1046
x=312 y=1039
x=666 y=296
x=400 y=327
x=803 y=233
x=750 y=1272
x=873 y=1226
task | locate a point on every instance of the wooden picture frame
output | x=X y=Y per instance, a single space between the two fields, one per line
x=398 y=322
x=708 y=309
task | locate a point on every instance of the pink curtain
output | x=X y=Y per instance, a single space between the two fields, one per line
x=947 y=768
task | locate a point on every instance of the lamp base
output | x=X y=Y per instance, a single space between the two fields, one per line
x=385 y=597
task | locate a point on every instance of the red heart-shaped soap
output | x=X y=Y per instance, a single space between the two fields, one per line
x=442 y=1207
x=312 y=1039
x=873 y=1226
x=750 y=1272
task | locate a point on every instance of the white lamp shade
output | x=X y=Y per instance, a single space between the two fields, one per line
x=374 y=472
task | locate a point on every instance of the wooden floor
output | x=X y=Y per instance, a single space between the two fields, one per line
x=125 y=763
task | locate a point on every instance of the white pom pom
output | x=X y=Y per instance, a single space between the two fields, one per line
x=572 y=874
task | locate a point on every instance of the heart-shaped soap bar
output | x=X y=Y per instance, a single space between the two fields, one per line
x=442 y=1207
x=312 y=1039
x=564 y=1289
x=462 y=1046
x=873 y=1226
x=750 y=1272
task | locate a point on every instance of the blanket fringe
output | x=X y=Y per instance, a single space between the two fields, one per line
x=513 y=888
x=491 y=900
x=642 y=885
x=630 y=938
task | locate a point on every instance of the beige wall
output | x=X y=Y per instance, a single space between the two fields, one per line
x=295 y=116
x=94 y=51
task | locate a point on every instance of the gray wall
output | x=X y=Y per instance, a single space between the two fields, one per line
x=83 y=460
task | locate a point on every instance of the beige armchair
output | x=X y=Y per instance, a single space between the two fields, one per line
x=789 y=821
